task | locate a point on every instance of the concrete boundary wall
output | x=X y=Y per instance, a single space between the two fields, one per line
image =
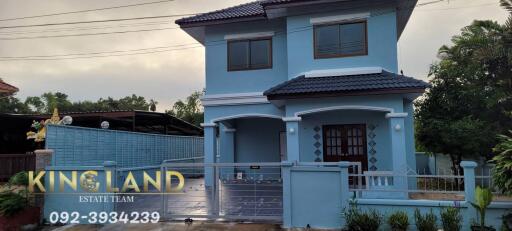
x=77 y=146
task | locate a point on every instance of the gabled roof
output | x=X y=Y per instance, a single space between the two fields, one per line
x=252 y=9
x=7 y=88
x=378 y=83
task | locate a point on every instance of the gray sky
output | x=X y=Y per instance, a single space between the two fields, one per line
x=169 y=76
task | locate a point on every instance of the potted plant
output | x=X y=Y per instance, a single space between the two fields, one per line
x=451 y=219
x=15 y=204
x=398 y=221
x=483 y=198
x=425 y=222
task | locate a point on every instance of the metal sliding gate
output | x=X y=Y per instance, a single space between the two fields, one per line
x=228 y=191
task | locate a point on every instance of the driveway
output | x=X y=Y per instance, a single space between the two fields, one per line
x=170 y=226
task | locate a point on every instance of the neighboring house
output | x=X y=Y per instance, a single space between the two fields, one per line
x=7 y=89
x=308 y=81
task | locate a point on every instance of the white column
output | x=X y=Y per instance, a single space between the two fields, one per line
x=292 y=138
x=210 y=148
x=398 y=151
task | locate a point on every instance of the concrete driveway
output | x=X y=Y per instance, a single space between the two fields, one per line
x=169 y=226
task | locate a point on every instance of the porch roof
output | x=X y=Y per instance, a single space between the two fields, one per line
x=361 y=84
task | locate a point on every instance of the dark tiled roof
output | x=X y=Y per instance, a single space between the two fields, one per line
x=379 y=82
x=252 y=9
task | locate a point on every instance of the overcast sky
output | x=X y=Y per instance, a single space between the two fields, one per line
x=172 y=75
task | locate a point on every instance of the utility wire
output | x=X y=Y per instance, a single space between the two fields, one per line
x=210 y=43
x=95 y=53
x=102 y=56
x=96 y=21
x=86 y=28
x=84 y=11
x=88 y=34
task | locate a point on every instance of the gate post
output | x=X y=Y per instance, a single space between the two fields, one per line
x=287 y=196
x=345 y=203
x=43 y=159
x=469 y=190
x=210 y=152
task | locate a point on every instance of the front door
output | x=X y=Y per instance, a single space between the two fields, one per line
x=345 y=142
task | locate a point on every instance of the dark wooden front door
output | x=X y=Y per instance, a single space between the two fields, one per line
x=345 y=142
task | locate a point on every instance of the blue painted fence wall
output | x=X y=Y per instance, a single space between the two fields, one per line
x=77 y=146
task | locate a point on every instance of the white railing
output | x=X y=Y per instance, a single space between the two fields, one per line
x=378 y=178
x=382 y=184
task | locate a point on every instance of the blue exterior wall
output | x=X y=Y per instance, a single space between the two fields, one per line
x=257 y=140
x=293 y=54
x=377 y=119
x=393 y=102
x=409 y=134
x=382 y=48
x=220 y=81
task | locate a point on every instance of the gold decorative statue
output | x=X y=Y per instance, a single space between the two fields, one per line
x=38 y=132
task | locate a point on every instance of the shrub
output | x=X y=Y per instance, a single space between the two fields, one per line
x=451 y=219
x=20 y=179
x=358 y=220
x=502 y=171
x=11 y=203
x=399 y=221
x=425 y=222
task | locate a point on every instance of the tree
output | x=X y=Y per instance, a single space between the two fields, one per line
x=189 y=110
x=470 y=99
x=502 y=172
x=56 y=100
x=49 y=100
x=10 y=104
x=152 y=105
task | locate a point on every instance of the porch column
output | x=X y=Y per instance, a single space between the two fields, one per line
x=227 y=150
x=292 y=138
x=210 y=148
x=398 y=151
x=227 y=144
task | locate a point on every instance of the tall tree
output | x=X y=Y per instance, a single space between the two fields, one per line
x=469 y=102
x=189 y=110
x=10 y=104
x=152 y=105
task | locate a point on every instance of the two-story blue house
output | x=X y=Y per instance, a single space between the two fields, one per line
x=308 y=81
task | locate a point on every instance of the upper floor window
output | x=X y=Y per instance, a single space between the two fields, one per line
x=249 y=54
x=341 y=40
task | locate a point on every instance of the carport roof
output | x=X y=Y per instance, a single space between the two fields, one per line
x=361 y=84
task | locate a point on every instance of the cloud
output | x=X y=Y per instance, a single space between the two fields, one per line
x=169 y=76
